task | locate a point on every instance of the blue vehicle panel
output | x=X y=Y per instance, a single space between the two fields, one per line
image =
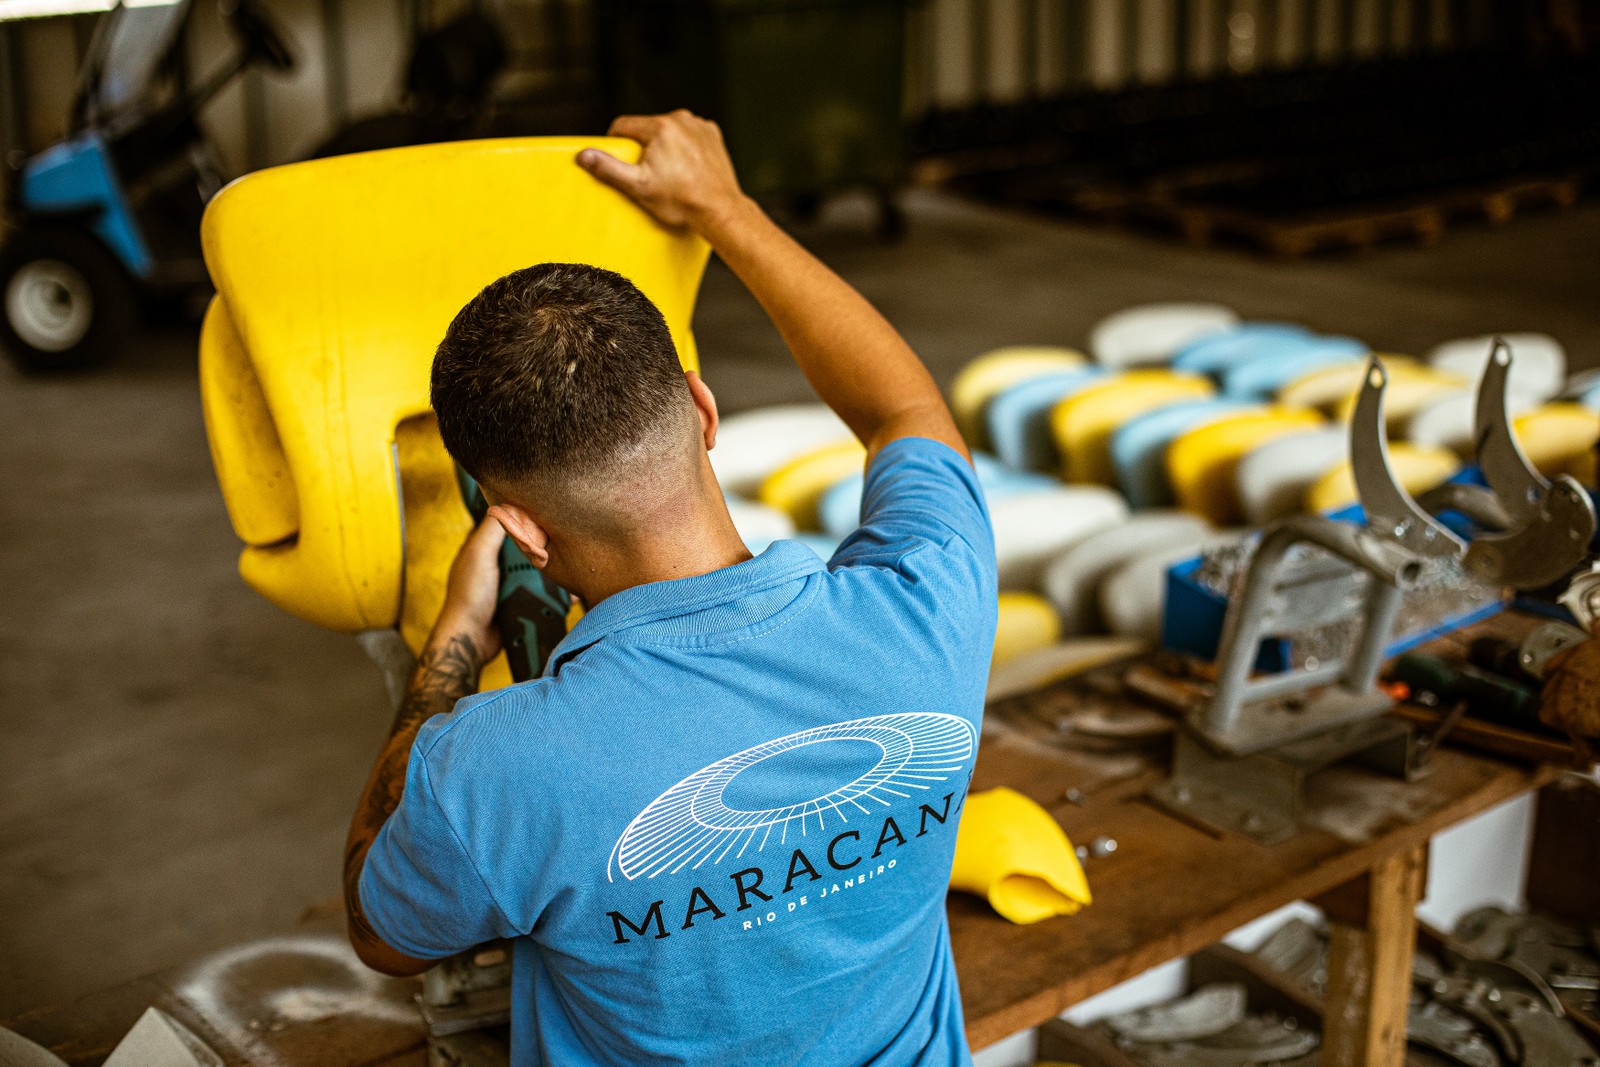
x=76 y=176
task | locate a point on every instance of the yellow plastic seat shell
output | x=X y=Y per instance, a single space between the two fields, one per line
x=1417 y=469
x=1201 y=463
x=1013 y=854
x=336 y=279
x=1083 y=423
x=1408 y=392
x=752 y=444
x=1327 y=387
x=796 y=487
x=1560 y=439
x=1027 y=623
x=993 y=372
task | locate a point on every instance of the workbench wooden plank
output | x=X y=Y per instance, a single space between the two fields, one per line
x=1369 y=967
x=1170 y=889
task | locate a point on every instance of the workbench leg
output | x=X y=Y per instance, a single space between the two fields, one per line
x=1373 y=925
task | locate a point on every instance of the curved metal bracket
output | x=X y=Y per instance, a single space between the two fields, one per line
x=1553 y=522
x=1508 y=472
x=1390 y=509
x=1552 y=539
x=1474 y=501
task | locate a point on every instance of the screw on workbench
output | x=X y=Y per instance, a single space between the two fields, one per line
x=1075 y=796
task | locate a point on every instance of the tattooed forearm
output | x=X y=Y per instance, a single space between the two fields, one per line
x=446 y=672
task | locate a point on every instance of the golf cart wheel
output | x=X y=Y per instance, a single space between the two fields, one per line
x=64 y=302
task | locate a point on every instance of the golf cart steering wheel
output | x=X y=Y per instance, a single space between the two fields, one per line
x=260 y=36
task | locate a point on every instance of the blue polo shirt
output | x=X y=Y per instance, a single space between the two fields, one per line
x=720 y=827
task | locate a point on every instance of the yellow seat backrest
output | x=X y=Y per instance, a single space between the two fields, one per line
x=335 y=282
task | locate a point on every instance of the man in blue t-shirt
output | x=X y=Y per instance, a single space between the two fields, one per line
x=720 y=826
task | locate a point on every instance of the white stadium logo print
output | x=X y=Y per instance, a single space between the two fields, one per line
x=691 y=824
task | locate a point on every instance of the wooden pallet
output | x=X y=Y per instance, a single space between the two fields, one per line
x=1183 y=208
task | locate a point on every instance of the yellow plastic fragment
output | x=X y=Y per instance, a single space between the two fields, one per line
x=1083 y=423
x=796 y=488
x=1013 y=854
x=995 y=371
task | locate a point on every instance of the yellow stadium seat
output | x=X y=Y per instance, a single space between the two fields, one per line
x=1417 y=469
x=1011 y=852
x=1559 y=439
x=335 y=281
x=796 y=487
x=1083 y=423
x=1411 y=388
x=1027 y=622
x=992 y=372
x=1327 y=387
x=1201 y=462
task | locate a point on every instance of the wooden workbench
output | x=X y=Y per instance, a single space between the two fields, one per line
x=1168 y=890
x=1171 y=888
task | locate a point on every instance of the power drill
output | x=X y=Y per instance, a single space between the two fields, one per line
x=532 y=612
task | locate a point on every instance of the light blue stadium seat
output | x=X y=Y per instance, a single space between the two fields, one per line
x=1217 y=352
x=1261 y=378
x=1139 y=447
x=1019 y=418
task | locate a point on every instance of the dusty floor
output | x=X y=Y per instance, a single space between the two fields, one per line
x=180 y=758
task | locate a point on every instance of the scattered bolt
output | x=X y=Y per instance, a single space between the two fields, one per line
x=1099 y=848
x=1075 y=795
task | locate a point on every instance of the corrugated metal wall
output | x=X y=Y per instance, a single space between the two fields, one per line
x=969 y=52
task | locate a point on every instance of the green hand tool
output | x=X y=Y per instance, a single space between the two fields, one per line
x=532 y=613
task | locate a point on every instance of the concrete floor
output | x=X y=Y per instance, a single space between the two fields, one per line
x=180 y=758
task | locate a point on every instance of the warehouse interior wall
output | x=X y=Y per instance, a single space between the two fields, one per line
x=960 y=53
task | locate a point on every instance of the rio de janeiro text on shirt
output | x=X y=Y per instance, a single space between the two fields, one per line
x=845 y=852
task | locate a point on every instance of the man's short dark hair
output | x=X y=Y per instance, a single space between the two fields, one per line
x=554 y=372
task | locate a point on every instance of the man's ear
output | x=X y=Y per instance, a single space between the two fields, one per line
x=706 y=405
x=524 y=530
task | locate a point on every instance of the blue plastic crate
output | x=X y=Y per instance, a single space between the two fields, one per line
x=1193 y=615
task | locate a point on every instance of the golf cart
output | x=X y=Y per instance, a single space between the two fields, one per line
x=111 y=216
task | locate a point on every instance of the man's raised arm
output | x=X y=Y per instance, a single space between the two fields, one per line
x=856 y=361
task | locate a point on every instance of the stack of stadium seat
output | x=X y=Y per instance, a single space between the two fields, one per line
x=1182 y=428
